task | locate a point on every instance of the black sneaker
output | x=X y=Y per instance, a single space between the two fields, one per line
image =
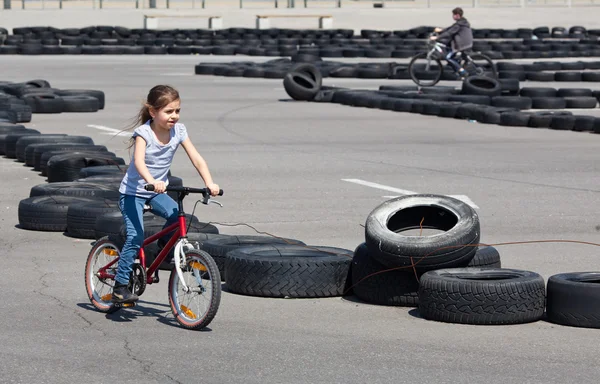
x=121 y=294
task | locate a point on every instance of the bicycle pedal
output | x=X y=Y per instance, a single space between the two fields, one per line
x=124 y=305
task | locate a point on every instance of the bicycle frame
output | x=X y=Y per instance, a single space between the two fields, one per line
x=178 y=240
x=180 y=234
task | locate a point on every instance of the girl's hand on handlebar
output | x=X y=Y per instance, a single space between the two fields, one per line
x=159 y=186
x=437 y=30
x=214 y=189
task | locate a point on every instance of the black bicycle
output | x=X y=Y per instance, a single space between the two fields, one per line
x=426 y=68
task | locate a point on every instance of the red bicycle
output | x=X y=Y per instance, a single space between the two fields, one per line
x=194 y=282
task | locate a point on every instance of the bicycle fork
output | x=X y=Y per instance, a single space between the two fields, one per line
x=177 y=255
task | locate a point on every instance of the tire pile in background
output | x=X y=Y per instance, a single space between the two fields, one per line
x=480 y=98
x=19 y=100
x=586 y=71
x=541 y=42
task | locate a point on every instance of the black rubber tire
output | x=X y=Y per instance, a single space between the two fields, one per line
x=485 y=296
x=446 y=250
x=574 y=92
x=562 y=122
x=80 y=103
x=537 y=92
x=573 y=299
x=584 y=123
x=548 y=103
x=374 y=283
x=303 y=81
x=81 y=218
x=67 y=167
x=481 y=85
x=288 y=271
x=24 y=142
x=219 y=247
x=103 y=170
x=30 y=150
x=540 y=76
x=75 y=189
x=510 y=86
x=516 y=102
x=486 y=256
x=590 y=76
x=567 y=76
x=44 y=102
x=581 y=102
x=44 y=151
x=84 y=92
x=514 y=119
x=472 y=99
x=540 y=120
x=46 y=213
x=9 y=141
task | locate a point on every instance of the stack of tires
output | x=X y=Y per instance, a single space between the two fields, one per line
x=19 y=100
x=446 y=274
x=303 y=81
x=450 y=277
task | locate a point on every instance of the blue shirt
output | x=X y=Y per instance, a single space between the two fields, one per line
x=158 y=159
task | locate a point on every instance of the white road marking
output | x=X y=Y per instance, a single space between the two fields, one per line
x=111 y=130
x=463 y=198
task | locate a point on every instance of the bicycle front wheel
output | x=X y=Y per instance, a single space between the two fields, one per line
x=481 y=65
x=425 y=70
x=195 y=307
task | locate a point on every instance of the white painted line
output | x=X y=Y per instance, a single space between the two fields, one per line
x=463 y=198
x=111 y=130
x=380 y=186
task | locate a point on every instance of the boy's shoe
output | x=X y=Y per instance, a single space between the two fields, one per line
x=462 y=73
x=121 y=294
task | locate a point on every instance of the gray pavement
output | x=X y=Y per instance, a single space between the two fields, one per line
x=281 y=165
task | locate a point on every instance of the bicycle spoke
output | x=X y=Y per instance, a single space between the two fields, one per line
x=195 y=307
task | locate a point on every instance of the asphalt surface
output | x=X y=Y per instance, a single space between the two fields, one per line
x=282 y=165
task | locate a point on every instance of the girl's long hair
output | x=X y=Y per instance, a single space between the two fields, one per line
x=159 y=97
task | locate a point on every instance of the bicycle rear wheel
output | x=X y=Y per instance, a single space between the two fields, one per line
x=425 y=70
x=197 y=307
x=481 y=65
x=99 y=288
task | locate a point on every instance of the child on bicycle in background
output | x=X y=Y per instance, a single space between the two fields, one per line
x=155 y=140
x=460 y=37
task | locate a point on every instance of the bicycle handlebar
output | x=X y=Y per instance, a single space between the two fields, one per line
x=204 y=191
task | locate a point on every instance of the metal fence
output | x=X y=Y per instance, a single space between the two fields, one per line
x=224 y=4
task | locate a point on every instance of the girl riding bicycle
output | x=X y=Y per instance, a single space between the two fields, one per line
x=155 y=140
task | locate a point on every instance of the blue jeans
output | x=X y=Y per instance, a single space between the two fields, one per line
x=451 y=61
x=132 y=208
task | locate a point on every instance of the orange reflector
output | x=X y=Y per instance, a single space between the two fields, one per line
x=127 y=305
x=198 y=266
x=106 y=297
x=110 y=252
x=188 y=312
